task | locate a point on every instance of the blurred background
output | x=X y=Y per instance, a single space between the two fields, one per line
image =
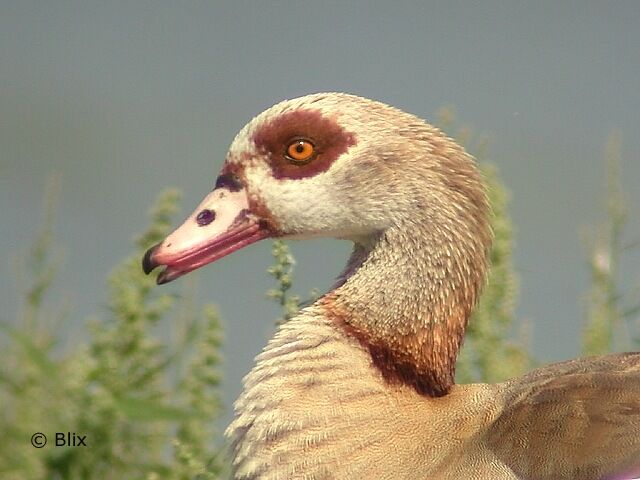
x=120 y=100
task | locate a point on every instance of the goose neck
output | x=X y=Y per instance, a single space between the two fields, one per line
x=407 y=294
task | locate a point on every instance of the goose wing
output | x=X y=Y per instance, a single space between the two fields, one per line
x=573 y=420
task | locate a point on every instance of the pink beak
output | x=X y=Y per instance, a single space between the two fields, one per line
x=220 y=225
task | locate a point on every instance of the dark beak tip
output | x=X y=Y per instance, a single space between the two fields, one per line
x=148 y=263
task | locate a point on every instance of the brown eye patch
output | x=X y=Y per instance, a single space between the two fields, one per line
x=302 y=143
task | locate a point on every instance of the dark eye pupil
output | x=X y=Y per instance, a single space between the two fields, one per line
x=300 y=148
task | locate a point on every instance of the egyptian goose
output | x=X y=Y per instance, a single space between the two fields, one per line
x=360 y=385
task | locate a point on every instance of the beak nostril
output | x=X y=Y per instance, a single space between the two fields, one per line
x=205 y=217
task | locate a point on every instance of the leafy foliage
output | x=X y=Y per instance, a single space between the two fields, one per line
x=282 y=272
x=609 y=324
x=490 y=354
x=144 y=414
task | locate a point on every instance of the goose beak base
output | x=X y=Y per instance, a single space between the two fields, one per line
x=220 y=225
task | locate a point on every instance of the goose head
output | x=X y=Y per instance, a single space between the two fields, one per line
x=409 y=198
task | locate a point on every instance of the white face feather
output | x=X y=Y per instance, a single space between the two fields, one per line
x=331 y=203
x=388 y=167
x=310 y=207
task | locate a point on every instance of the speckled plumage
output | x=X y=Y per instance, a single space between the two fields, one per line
x=360 y=384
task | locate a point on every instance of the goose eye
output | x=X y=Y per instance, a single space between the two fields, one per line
x=300 y=151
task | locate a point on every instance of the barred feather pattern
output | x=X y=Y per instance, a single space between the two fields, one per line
x=314 y=407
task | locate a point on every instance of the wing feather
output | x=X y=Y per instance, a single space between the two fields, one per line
x=572 y=420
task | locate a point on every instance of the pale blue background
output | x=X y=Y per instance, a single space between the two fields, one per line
x=126 y=98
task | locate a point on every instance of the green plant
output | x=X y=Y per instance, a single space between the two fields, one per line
x=282 y=272
x=609 y=324
x=145 y=409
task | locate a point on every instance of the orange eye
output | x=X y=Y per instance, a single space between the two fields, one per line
x=300 y=151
